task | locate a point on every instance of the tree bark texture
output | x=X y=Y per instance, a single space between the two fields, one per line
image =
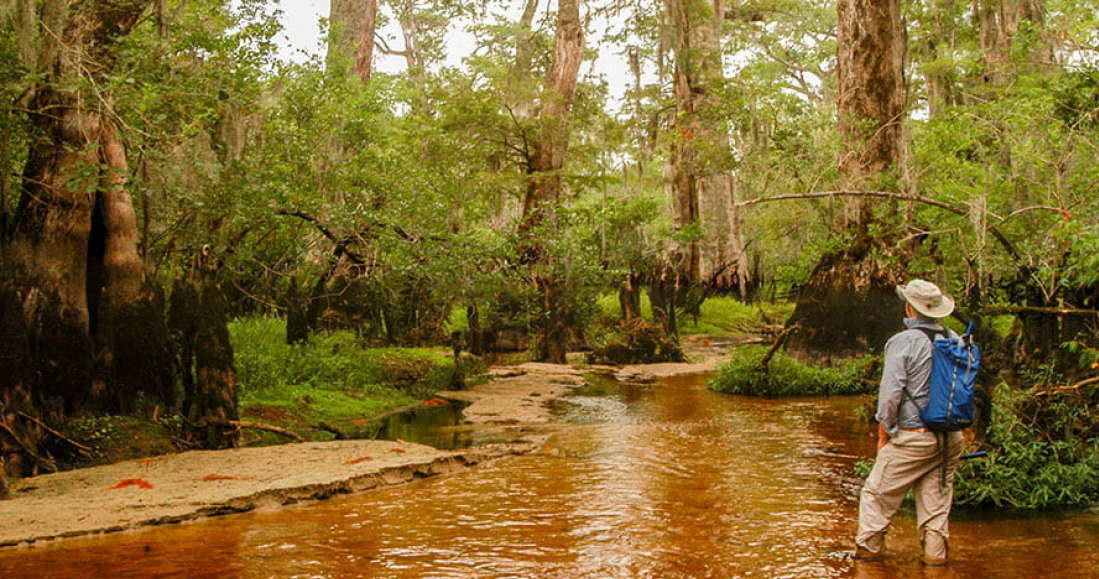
x=848 y=306
x=870 y=101
x=71 y=248
x=700 y=171
x=548 y=158
x=200 y=327
x=939 y=79
x=546 y=163
x=94 y=327
x=351 y=37
x=16 y=386
x=999 y=23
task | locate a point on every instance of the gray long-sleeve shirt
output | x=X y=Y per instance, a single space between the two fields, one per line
x=907 y=364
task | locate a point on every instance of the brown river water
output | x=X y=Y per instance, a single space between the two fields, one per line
x=666 y=480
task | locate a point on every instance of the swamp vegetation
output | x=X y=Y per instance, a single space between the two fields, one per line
x=200 y=237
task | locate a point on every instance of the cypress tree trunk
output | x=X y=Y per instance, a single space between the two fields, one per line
x=629 y=296
x=213 y=401
x=201 y=327
x=848 y=306
x=544 y=187
x=16 y=389
x=93 y=328
x=351 y=37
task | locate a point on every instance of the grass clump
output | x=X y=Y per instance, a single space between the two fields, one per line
x=785 y=376
x=333 y=378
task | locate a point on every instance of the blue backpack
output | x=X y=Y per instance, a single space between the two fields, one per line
x=954 y=365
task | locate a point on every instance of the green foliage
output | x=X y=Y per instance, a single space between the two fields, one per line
x=117 y=438
x=720 y=315
x=728 y=315
x=612 y=308
x=335 y=371
x=1032 y=463
x=1001 y=325
x=1034 y=466
x=785 y=376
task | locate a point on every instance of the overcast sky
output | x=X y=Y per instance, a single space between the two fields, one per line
x=302 y=37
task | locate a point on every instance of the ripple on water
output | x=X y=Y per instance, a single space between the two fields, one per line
x=665 y=481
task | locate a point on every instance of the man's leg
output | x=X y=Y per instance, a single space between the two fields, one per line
x=902 y=462
x=933 y=501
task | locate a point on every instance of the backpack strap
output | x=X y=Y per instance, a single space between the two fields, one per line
x=929 y=333
x=904 y=389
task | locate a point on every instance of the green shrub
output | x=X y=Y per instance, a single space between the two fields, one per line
x=335 y=361
x=786 y=376
x=1032 y=467
x=1027 y=468
x=637 y=342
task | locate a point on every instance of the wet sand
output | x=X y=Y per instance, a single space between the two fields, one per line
x=196 y=484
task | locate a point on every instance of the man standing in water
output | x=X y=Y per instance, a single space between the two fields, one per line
x=909 y=455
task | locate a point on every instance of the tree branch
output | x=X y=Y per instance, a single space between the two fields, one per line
x=261 y=426
x=1076 y=386
x=1039 y=310
x=1004 y=241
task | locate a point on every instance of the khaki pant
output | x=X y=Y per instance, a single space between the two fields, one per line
x=911 y=459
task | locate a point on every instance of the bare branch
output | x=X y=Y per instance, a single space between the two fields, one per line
x=1008 y=246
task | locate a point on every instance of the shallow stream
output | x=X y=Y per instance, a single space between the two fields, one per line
x=662 y=481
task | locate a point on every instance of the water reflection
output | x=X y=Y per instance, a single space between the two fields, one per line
x=662 y=481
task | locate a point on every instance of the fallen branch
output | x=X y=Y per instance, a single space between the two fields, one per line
x=1076 y=386
x=779 y=341
x=339 y=434
x=86 y=450
x=261 y=426
x=43 y=462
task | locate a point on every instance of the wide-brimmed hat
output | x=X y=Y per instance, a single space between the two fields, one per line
x=926 y=298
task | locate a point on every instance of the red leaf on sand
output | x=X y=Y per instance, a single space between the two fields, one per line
x=132 y=482
x=358 y=460
x=398 y=450
x=211 y=477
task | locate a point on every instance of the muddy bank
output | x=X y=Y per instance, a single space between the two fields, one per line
x=521 y=393
x=517 y=394
x=198 y=484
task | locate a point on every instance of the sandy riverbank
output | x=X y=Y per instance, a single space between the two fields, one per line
x=196 y=484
